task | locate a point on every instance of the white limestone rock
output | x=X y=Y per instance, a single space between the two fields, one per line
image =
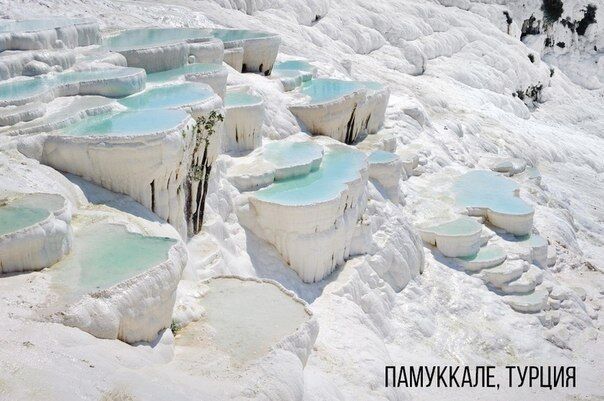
x=457 y=238
x=41 y=242
x=48 y=34
x=134 y=310
x=244 y=115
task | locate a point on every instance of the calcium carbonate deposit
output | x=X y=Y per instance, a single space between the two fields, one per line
x=290 y=200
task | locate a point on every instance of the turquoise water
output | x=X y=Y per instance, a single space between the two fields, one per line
x=34 y=86
x=171 y=75
x=485 y=254
x=128 y=123
x=168 y=96
x=22 y=88
x=325 y=90
x=149 y=37
x=15 y=218
x=240 y=99
x=532 y=240
x=48 y=202
x=229 y=35
x=486 y=189
x=247 y=317
x=106 y=254
x=294 y=65
x=380 y=156
x=285 y=153
x=461 y=226
x=37 y=24
x=339 y=166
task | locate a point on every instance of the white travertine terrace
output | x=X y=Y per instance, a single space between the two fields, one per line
x=13 y=115
x=496 y=198
x=111 y=82
x=213 y=74
x=258 y=49
x=52 y=33
x=293 y=73
x=319 y=211
x=17 y=63
x=341 y=109
x=234 y=58
x=386 y=168
x=161 y=49
x=244 y=115
x=245 y=320
x=118 y=284
x=157 y=160
x=280 y=160
x=457 y=238
x=60 y=113
x=35 y=231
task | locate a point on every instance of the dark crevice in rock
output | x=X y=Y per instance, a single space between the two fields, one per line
x=552 y=10
x=350 y=127
x=589 y=17
x=153 y=196
x=530 y=26
x=508 y=20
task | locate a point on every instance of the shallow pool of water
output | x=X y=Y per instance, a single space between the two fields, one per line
x=294 y=65
x=140 y=122
x=249 y=317
x=173 y=74
x=240 y=99
x=149 y=37
x=339 y=166
x=229 y=35
x=487 y=189
x=324 y=90
x=485 y=254
x=286 y=153
x=104 y=255
x=460 y=226
x=168 y=96
x=14 y=218
x=380 y=156
x=22 y=88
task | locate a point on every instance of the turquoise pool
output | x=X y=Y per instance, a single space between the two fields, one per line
x=104 y=255
x=339 y=166
x=16 y=218
x=486 y=254
x=149 y=37
x=460 y=226
x=325 y=90
x=294 y=65
x=285 y=153
x=171 y=75
x=169 y=96
x=486 y=189
x=23 y=88
x=381 y=156
x=230 y=35
x=240 y=99
x=140 y=122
